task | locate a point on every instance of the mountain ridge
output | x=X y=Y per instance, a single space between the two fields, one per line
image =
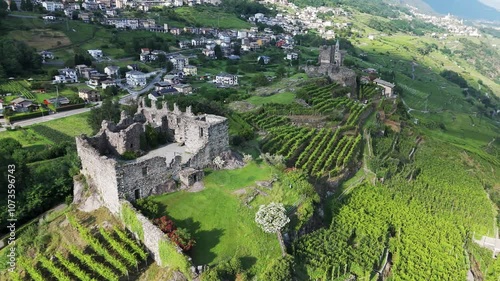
x=467 y=9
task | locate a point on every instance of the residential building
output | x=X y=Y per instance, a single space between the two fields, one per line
x=58 y=101
x=183 y=88
x=46 y=55
x=66 y=75
x=292 y=56
x=112 y=71
x=52 y=6
x=179 y=61
x=265 y=59
x=21 y=104
x=226 y=79
x=190 y=70
x=163 y=92
x=136 y=78
x=172 y=79
x=89 y=95
x=108 y=83
x=95 y=53
x=387 y=87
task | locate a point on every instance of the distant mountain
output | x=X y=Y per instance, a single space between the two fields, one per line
x=467 y=9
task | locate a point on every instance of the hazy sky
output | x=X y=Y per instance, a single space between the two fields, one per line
x=493 y=3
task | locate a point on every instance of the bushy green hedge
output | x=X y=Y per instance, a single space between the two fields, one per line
x=70 y=107
x=27 y=116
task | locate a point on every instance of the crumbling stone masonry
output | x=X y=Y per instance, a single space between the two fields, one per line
x=196 y=141
x=331 y=60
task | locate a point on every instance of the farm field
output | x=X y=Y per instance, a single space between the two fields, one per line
x=51 y=132
x=211 y=17
x=41 y=39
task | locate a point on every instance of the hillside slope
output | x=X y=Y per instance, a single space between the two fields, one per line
x=468 y=9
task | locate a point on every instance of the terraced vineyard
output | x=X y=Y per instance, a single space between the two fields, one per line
x=320 y=152
x=17 y=87
x=120 y=254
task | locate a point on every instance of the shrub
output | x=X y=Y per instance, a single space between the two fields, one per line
x=147 y=207
x=180 y=236
x=129 y=155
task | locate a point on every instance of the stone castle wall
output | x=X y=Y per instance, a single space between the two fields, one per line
x=100 y=172
x=149 y=177
x=203 y=137
x=152 y=234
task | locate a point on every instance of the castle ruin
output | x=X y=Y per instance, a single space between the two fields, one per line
x=193 y=141
x=330 y=63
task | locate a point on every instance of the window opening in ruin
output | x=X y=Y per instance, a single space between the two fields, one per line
x=195 y=178
x=201 y=132
x=144 y=171
x=178 y=120
x=137 y=194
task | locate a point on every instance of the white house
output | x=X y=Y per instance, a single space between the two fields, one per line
x=265 y=59
x=66 y=75
x=46 y=55
x=226 y=79
x=292 y=56
x=52 y=6
x=112 y=71
x=136 y=78
x=95 y=53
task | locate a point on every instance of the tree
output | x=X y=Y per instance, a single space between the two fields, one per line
x=260 y=80
x=272 y=218
x=237 y=49
x=218 y=52
x=29 y=5
x=23 y=5
x=13 y=6
x=281 y=71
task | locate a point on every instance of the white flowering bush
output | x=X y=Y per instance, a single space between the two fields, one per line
x=275 y=160
x=219 y=162
x=272 y=218
x=247 y=158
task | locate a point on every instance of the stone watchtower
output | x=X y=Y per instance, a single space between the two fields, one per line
x=338 y=58
x=331 y=57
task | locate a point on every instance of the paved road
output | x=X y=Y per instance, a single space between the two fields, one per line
x=133 y=94
x=46 y=118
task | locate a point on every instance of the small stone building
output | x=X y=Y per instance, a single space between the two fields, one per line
x=192 y=142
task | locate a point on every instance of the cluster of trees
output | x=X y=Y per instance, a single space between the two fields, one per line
x=244 y=7
x=415 y=26
x=18 y=58
x=38 y=186
x=133 y=45
x=26 y=5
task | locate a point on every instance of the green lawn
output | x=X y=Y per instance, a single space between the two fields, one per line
x=282 y=98
x=211 y=17
x=222 y=225
x=50 y=132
